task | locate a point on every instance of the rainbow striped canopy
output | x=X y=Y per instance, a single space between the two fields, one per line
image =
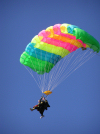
x=51 y=45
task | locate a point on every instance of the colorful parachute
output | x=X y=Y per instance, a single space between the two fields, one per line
x=45 y=51
x=54 y=43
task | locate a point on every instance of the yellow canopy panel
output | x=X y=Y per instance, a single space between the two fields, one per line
x=47 y=92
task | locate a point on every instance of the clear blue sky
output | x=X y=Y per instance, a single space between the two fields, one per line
x=75 y=103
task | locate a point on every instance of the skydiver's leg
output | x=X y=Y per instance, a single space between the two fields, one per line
x=32 y=109
x=41 y=112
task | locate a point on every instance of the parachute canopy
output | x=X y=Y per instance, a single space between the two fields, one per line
x=51 y=45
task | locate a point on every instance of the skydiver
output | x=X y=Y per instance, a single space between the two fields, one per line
x=41 y=106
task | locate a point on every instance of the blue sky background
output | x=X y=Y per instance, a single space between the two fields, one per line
x=75 y=103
